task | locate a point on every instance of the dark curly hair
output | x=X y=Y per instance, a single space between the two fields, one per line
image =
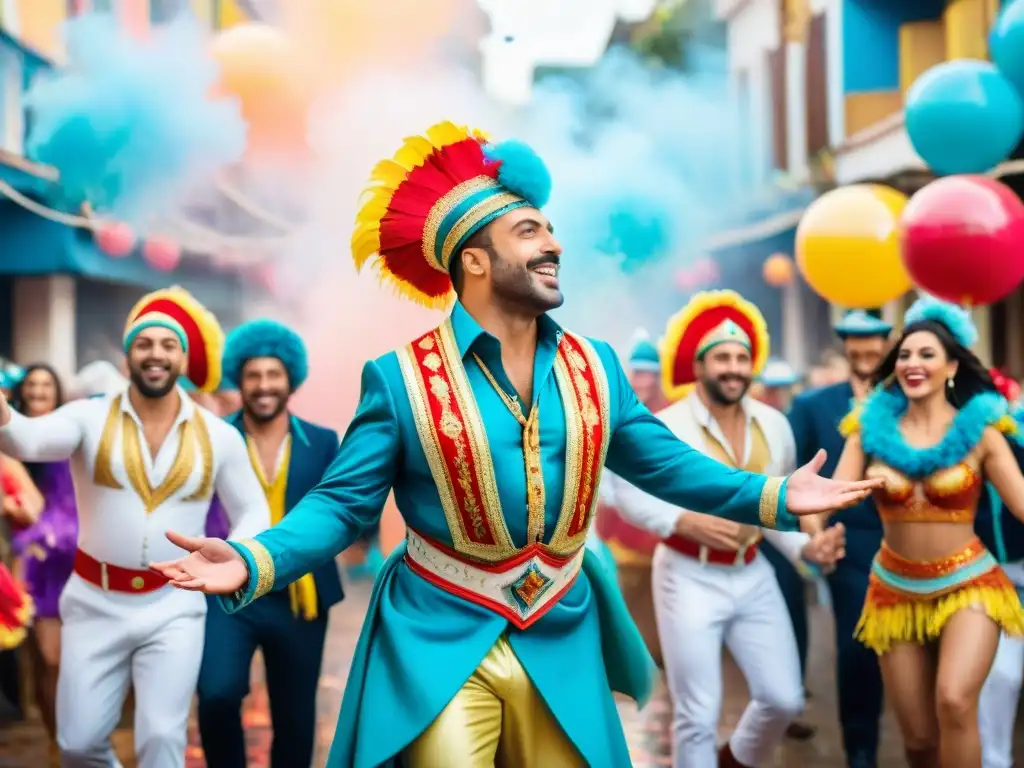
x=18 y=393
x=972 y=377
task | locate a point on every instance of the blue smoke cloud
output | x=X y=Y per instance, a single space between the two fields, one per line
x=645 y=168
x=129 y=123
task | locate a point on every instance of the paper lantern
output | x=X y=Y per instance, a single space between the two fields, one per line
x=115 y=239
x=778 y=270
x=161 y=253
x=847 y=246
x=963 y=239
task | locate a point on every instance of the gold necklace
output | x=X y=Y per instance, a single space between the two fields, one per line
x=531 y=456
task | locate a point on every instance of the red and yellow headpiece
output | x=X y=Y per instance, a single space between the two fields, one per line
x=202 y=337
x=423 y=204
x=710 y=318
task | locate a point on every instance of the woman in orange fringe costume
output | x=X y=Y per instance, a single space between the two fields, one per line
x=935 y=430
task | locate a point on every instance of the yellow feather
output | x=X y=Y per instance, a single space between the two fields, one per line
x=850 y=423
x=1007 y=425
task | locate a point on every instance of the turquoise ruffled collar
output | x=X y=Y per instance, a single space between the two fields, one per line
x=881 y=437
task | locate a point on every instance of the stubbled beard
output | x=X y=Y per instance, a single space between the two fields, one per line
x=261 y=418
x=150 y=392
x=714 y=389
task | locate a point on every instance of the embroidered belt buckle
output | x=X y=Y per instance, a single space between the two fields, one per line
x=521 y=589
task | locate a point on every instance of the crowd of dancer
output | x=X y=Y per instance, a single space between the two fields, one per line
x=496 y=633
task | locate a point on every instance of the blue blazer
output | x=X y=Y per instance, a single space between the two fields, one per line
x=313 y=449
x=814 y=417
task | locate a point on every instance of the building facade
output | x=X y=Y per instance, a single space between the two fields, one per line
x=61 y=299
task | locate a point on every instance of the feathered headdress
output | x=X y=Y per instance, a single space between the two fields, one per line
x=423 y=204
x=710 y=318
x=957 y=320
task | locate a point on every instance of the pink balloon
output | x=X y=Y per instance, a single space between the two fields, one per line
x=115 y=239
x=963 y=239
x=162 y=254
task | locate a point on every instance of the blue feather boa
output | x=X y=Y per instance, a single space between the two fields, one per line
x=882 y=439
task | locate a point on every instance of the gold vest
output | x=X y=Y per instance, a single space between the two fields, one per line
x=760 y=456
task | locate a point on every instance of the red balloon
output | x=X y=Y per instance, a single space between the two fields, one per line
x=162 y=253
x=115 y=239
x=963 y=239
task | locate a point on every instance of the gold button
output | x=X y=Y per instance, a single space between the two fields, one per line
x=138 y=583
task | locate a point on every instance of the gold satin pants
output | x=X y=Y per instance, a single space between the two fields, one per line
x=497 y=719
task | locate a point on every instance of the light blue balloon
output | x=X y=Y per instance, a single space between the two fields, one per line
x=1006 y=43
x=964 y=116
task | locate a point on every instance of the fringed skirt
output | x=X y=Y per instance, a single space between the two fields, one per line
x=910 y=601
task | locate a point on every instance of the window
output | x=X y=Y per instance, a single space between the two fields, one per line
x=161 y=11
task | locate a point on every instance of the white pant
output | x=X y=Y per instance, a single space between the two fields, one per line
x=700 y=607
x=997 y=707
x=108 y=640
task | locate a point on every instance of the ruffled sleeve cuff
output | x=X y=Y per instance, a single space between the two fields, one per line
x=260 y=565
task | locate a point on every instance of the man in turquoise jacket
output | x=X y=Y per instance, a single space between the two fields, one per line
x=493 y=636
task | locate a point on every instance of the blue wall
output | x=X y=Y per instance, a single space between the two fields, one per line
x=871 y=50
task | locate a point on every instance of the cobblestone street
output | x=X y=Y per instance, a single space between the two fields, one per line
x=23 y=745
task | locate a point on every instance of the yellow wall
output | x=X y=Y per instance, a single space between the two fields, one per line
x=38 y=25
x=967 y=23
x=865 y=109
x=922 y=46
x=203 y=9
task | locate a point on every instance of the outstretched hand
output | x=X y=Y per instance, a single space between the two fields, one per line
x=212 y=566
x=808 y=493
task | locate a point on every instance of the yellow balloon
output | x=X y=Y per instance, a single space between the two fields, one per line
x=847 y=246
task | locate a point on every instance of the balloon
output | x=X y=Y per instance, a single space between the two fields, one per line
x=259 y=67
x=705 y=270
x=341 y=38
x=963 y=239
x=778 y=270
x=847 y=246
x=1006 y=43
x=161 y=253
x=115 y=239
x=964 y=116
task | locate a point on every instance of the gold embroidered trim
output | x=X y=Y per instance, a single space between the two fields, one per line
x=580 y=419
x=265 y=571
x=103 y=471
x=442 y=208
x=472 y=217
x=536 y=503
x=135 y=464
x=205 y=489
x=479 y=444
x=442 y=344
x=768 y=509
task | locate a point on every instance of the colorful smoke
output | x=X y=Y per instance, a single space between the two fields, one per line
x=129 y=122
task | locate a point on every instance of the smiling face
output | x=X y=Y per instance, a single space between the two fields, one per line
x=521 y=262
x=155 y=361
x=724 y=372
x=922 y=365
x=264 y=388
x=39 y=392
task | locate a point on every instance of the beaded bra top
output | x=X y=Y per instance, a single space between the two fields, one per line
x=940 y=483
x=950 y=495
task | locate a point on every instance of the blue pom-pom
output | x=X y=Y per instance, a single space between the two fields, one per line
x=265 y=338
x=956 y=319
x=522 y=172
